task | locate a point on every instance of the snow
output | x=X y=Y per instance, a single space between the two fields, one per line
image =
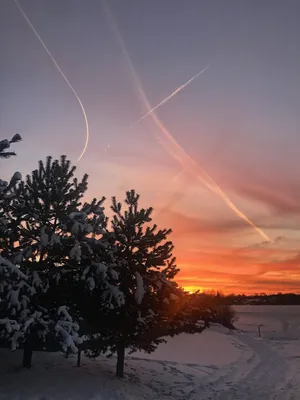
x=68 y=330
x=13 y=299
x=90 y=282
x=17 y=176
x=75 y=253
x=77 y=215
x=211 y=346
x=113 y=296
x=68 y=339
x=215 y=365
x=36 y=280
x=113 y=274
x=55 y=239
x=11 y=268
x=140 y=290
x=100 y=268
x=10 y=325
x=63 y=310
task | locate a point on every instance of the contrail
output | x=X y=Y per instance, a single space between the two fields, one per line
x=62 y=74
x=171 y=144
x=176 y=91
x=199 y=173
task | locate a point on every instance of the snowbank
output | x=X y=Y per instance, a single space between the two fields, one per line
x=208 y=348
x=216 y=365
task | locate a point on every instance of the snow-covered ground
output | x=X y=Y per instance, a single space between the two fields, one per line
x=216 y=365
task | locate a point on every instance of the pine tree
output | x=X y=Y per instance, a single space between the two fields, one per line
x=146 y=268
x=17 y=288
x=63 y=247
x=13 y=282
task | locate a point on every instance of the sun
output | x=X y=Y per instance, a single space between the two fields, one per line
x=193 y=289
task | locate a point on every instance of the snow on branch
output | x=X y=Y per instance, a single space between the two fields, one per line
x=113 y=296
x=7 y=267
x=140 y=290
x=63 y=311
x=68 y=330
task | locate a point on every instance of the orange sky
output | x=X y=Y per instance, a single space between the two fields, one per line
x=239 y=122
x=228 y=255
x=215 y=249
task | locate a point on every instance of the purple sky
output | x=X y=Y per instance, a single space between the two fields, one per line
x=239 y=121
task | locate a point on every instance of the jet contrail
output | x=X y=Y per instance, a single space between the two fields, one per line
x=176 y=91
x=62 y=74
x=172 y=146
x=199 y=173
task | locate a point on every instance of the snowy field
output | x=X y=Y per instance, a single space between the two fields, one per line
x=216 y=365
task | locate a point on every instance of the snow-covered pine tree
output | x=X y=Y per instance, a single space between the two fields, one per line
x=63 y=247
x=6 y=187
x=16 y=288
x=13 y=282
x=146 y=269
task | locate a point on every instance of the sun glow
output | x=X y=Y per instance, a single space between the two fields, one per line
x=193 y=289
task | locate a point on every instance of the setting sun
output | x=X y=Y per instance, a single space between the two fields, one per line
x=193 y=289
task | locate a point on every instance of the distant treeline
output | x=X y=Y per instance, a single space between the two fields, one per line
x=263 y=299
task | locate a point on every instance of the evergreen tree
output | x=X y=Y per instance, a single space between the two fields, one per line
x=17 y=289
x=63 y=247
x=154 y=305
x=13 y=282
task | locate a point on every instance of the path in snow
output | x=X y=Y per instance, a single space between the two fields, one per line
x=267 y=368
x=269 y=377
x=216 y=365
x=261 y=372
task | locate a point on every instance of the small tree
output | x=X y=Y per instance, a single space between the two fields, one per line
x=154 y=305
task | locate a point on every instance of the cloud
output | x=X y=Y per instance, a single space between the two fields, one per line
x=264 y=243
x=290 y=265
x=242 y=283
x=280 y=196
x=217 y=253
x=184 y=225
x=219 y=266
x=276 y=191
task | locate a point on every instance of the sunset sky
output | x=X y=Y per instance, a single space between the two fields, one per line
x=239 y=121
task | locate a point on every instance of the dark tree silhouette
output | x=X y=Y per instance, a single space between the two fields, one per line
x=154 y=305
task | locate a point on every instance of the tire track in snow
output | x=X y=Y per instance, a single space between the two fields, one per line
x=261 y=372
x=267 y=378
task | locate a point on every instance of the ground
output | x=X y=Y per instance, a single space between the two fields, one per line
x=215 y=365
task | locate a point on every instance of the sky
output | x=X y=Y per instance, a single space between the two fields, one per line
x=239 y=121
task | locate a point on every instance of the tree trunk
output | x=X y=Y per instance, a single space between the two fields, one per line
x=27 y=354
x=78 y=358
x=120 y=360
